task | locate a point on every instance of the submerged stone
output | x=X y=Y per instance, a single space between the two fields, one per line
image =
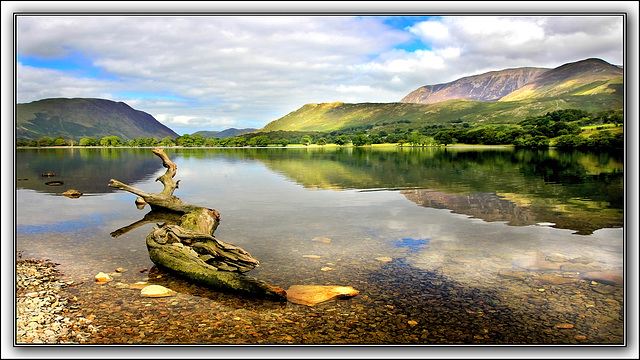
x=313 y=294
x=139 y=285
x=102 y=277
x=555 y=279
x=512 y=275
x=536 y=264
x=604 y=277
x=156 y=291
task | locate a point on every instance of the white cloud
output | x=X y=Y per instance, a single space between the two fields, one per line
x=430 y=31
x=234 y=70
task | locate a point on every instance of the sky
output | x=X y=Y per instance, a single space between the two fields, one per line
x=213 y=72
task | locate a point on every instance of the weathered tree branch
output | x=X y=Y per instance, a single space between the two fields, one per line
x=165 y=199
x=189 y=248
x=167 y=178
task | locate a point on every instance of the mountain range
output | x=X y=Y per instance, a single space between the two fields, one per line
x=224 y=133
x=80 y=117
x=497 y=97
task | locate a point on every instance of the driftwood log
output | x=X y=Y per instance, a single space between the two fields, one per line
x=186 y=246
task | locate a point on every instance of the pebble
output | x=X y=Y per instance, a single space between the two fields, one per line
x=397 y=305
x=554 y=279
x=564 y=326
x=102 y=277
x=42 y=307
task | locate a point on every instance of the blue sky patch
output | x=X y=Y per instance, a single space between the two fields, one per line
x=62 y=226
x=402 y=23
x=91 y=221
x=74 y=63
x=413 y=244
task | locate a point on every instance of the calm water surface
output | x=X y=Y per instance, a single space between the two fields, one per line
x=491 y=246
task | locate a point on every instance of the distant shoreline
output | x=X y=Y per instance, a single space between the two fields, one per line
x=290 y=146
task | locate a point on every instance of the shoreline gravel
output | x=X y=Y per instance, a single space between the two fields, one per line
x=45 y=311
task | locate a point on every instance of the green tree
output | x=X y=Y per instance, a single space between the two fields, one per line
x=198 y=140
x=342 y=140
x=306 y=140
x=570 y=141
x=59 y=141
x=110 y=141
x=444 y=137
x=167 y=141
x=534 y=142
x=44 y=141
x=321 y=141
x=89 y=141
x=605 y=140
x=260 y=140
x=184 y=140
x=360 y=140
x=212 y=141
x=282 y=142
x=149 y=141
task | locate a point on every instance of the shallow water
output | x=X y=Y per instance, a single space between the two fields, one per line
x=486 y=246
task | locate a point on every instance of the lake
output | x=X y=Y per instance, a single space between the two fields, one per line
x=446 y=245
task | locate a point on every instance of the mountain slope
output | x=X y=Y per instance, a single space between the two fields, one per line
x=79 y=117
x=489 y=86
x=591 y=85
x=224 y=133
x=391 y=116
x=586 y=77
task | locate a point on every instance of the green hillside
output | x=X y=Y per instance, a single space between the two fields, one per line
x=74 y=119
x=591 y=85
x=583 y=78
x=387 y=116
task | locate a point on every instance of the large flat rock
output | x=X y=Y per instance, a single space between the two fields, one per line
x=314 y=294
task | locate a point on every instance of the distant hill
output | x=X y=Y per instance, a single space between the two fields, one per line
x=591 y=85
x=587 y=77
x=489 y=86
x=82 y=117
x=224 y=133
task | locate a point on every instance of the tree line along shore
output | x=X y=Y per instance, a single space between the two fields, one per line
x=572 y=128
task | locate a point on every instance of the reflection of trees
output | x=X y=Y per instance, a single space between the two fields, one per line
x=574 y=190
x=565 y=168
x=86 y=170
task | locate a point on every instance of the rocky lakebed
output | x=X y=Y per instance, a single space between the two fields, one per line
x=534 y=303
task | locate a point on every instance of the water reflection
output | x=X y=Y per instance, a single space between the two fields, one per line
x=87 y=170
x=420 y=232
x=572 y=190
